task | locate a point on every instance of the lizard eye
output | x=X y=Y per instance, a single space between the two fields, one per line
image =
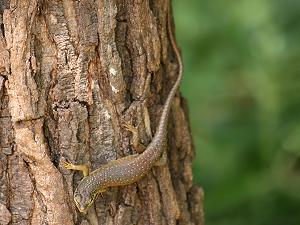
x=93 y=196
x=89 y=201
x=77 y=197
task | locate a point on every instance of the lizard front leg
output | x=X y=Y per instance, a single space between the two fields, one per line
x=82 y=167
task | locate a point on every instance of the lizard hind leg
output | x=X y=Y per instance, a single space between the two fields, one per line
x=83 y=168
x=135 y=142
x=162 y=160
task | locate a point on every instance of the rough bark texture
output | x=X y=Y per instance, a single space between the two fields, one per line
x=71 y=72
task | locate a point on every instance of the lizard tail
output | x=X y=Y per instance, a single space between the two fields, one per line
x=162 y=127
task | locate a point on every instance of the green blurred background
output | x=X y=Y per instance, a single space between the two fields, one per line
x=242 y=82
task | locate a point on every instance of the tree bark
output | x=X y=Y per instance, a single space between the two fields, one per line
x=71 y=73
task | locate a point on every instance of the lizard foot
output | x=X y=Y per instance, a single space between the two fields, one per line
x=137 y=146
x=70 y=166
x=67 y=165
x=131 y=128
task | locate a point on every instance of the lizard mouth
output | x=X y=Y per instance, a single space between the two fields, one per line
x=82 y=210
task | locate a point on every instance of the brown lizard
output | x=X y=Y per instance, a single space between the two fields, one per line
x=129 y=169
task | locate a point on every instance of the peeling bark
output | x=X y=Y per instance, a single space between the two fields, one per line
x=71 y=73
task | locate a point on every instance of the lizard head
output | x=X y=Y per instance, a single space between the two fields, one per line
x=84 y=199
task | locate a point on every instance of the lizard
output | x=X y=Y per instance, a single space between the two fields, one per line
x=129 y=169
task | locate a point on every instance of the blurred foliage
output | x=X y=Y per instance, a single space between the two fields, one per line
x=242 y=81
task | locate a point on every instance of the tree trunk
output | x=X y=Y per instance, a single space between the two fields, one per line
x=72 y=72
